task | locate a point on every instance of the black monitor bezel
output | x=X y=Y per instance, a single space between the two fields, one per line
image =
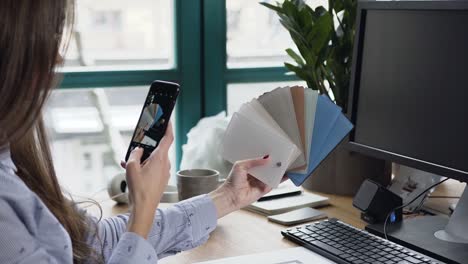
x=362 y=8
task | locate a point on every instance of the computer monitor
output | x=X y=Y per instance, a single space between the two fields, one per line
x=409 y=104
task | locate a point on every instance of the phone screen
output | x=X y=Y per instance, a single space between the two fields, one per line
x=154 y=117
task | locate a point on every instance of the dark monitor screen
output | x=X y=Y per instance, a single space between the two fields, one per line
x=410 y=100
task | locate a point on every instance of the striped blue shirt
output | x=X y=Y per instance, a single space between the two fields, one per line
x=30 y=233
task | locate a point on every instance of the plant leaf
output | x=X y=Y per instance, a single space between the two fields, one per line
x=290 y=9
x=299 y=3
x=302 y=73
x=272 y=7
x=320 y=35
x=298 y=59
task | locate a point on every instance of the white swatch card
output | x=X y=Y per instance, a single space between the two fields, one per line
x=254 y=111
x=246 y=139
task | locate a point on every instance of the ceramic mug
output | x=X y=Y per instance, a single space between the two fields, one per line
x=194 y=182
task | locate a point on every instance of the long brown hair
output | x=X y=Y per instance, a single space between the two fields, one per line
x=31 y=36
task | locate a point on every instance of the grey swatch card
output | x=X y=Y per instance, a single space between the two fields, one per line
x=279 y=104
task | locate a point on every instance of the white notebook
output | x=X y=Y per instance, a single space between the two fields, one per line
x=289 y=203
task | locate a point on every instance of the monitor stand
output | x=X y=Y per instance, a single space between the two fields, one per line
x=439 y=236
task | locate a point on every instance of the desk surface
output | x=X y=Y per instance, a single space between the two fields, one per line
x=244 y=232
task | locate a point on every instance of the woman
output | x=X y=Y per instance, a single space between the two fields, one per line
x=38 y=224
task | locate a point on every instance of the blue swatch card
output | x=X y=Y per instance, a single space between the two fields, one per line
x=330 y=127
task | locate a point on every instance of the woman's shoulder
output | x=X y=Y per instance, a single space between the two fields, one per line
x=11 y=185
x=16 y=198
x=22 y=208
x=26 y=224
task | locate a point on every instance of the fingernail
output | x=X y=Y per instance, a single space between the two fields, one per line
x=266 y=156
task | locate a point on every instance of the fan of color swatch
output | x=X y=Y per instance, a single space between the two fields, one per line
x=295 y=126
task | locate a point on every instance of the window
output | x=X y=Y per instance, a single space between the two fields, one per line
x=118 y=34
x=255 y=37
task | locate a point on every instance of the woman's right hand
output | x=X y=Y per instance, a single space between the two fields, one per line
x=146 y=183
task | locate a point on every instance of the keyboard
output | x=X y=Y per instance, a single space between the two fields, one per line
x=346 y=244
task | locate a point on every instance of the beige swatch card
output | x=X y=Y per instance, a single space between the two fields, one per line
x=310 y=106
x=297 y=94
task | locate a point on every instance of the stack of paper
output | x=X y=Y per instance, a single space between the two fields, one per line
x=297 y=127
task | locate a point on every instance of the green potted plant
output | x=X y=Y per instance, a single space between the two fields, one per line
x=324 y=39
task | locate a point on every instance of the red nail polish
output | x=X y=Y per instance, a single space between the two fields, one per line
x=266 y=156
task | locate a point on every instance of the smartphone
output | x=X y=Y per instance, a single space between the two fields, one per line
x=154 y=117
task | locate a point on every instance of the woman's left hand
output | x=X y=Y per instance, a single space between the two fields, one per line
x=241 y=188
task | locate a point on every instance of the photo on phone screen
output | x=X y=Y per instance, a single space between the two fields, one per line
x=154 y=117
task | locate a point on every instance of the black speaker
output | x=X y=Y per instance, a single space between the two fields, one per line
x=376 y=202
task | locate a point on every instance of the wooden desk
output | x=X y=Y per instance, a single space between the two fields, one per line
x=244 y=232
